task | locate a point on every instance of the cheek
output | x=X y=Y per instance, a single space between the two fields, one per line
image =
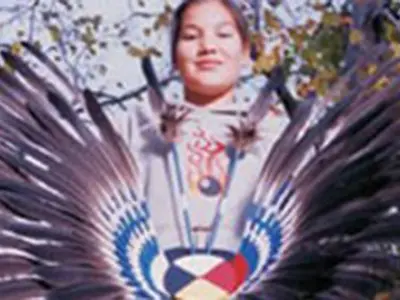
x=233 y=59
x=185 y=53
x=233 y=51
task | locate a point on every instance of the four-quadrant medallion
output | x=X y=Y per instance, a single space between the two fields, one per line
x=194 y=276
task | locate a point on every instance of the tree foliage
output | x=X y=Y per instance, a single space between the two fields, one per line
x=312 y=42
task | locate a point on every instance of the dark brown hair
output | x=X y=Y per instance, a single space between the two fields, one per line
x=231 y=5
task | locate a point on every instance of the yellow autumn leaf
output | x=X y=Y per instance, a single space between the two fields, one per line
x=391 y=33
x=320 y=83
x=298 y=35
x=137 y=52
x=329 y=74
x=317 y=84
x=395 y=48
x=266 y=62
x=16 y=48
x=381 y=83
x=390 y=29
x=356 y=36
x=371 y=69
x=271 y=20
x=163 y=19
x=55 y=33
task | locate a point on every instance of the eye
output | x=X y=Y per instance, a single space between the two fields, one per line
x=226 y=31
x=225 y=34
x=188 y=36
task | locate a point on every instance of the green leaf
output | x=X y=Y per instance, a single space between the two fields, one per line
x=331 y=19
x=55 y=33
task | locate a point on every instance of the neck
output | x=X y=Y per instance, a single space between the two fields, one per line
x=205 y=100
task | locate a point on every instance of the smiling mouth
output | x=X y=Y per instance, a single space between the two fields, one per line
x=207 y=65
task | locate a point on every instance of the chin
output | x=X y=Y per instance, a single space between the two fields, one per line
x=213 y=85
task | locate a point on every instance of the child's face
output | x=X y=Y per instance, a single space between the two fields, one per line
x=210 y=51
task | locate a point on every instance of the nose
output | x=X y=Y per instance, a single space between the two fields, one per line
x=208 y=44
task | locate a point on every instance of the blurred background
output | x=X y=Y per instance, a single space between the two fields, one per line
x=305 y=44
